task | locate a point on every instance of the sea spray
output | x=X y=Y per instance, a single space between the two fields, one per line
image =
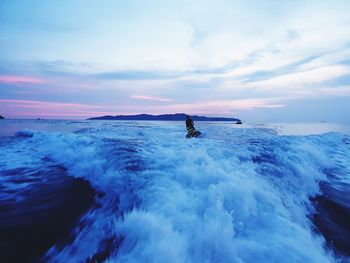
x=234 y=195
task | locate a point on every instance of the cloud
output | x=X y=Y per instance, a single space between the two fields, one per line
x=208 y=56
x=45 y=104
x=137 y=75
x=341 y=91
x=142 y=97
x=30 y=108
x=297 y=80
x=21 y=79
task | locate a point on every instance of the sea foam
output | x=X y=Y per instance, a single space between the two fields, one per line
x=234 y=195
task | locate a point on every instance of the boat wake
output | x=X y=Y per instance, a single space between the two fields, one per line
x=133 y=191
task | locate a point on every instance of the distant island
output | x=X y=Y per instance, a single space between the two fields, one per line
x=163 y=117
x=1 y=118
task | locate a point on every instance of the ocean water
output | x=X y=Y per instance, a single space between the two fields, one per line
x=127 y=191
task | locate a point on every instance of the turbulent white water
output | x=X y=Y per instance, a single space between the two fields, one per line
x=233 y=195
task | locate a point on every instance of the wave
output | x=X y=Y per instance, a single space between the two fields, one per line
x=235 y=195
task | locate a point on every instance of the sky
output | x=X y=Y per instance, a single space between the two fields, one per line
x=272 y=60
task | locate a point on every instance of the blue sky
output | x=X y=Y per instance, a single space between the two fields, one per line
x=256 y=60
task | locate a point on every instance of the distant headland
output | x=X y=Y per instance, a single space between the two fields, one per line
x=1 y=118
x=163 y=117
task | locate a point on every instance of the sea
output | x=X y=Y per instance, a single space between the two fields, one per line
x=139 y=191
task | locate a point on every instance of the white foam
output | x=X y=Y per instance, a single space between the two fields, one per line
x=195 y=200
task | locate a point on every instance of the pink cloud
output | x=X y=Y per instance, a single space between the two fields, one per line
x=142 y=97
x=43 y=104
x=34 y=109
x=21 y=79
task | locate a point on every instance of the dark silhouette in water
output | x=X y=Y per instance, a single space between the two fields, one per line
x=1 y=118
x=191 y=131
x=44 y=215
x=163 y=117
x=332 y=217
